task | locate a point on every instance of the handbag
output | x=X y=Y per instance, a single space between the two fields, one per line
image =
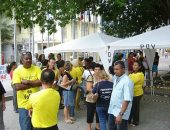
x=92 y=98
x=96 y=95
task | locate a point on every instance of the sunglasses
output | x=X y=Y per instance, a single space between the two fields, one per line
x=26 y=53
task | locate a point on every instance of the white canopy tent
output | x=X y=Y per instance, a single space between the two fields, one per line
x=95 y=42
x=89 y=43
x=155 y=39
x=148 y=41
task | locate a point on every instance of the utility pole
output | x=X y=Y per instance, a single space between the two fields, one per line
x=30 y=39
x=15 y=44
x=33 y=41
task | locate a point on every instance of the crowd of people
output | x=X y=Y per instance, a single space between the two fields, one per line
x=42 y=87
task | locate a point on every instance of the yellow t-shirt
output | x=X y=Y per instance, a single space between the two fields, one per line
x=45 y=105
x=57 y=74
x=138 y=80
x=56 y=71
x=79 y=71
x=73 y=73
x=21 y=73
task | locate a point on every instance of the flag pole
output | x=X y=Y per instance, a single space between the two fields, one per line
x=15 y=44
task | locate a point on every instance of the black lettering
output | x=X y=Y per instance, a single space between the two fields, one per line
x=108 y=48
x=109 y=60
x=109 y=54
x=141 y=46
x=147 y=46
x=153 y=46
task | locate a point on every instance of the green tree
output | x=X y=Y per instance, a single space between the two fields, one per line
x=5 y=32
x=122 y=18
x=45 y=13
x=136 y=17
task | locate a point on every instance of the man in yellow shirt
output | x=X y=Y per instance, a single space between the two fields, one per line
x=44 y=105
x=26 y=80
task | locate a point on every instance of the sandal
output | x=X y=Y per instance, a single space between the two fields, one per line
x=72 y=118
x=69 y=121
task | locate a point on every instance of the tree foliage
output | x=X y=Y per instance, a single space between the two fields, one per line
x=122 y=18
x=6 y=30
x=46 y=13
x=136 y=17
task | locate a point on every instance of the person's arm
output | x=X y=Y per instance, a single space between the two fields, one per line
x=34 y=83
x=29 y=106
x=21 y=86
x=89 y=83
x=122 y=111
x=3 y=102
x=89 y=86
x=66 y=82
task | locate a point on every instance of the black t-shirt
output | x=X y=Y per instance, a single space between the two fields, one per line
x=2 y=90
x=104 y=90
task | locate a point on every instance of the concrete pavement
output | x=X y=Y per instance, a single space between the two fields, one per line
x=155 y=115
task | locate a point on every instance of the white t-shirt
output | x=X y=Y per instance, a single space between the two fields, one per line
x=86 y=74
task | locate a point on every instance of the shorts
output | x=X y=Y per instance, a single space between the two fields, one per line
x=155 y=68
x=91 y=110
x=69 y=98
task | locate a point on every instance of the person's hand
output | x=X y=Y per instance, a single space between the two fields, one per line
x=118 y=120
x=26 y=82
x=30 y=112
x=73 y=81
x=95 y=96
x=4 y=107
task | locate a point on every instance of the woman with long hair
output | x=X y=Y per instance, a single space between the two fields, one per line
x=137 y=78
x=102 y=91
x=10 y=69
x=68 y=94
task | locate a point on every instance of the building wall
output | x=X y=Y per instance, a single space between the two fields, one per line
x=73 y=30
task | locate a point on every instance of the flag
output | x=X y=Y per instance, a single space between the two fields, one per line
x=89 y=16
x=81 y=16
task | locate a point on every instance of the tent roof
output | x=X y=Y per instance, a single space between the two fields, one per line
x=159 y=37
x=89 y=43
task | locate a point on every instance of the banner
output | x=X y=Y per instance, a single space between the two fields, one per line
x=106 y=56
x=3 y=73
x=150 y=56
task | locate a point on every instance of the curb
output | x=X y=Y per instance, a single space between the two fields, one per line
x=8 y=98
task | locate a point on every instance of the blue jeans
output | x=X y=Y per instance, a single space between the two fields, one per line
x=72 y=111
x=103 y=117
x=113 y=126
x=69 y=99
x=24 y=119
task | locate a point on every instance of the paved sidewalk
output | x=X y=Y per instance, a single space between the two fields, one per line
x=155 y=115
x=155 y=111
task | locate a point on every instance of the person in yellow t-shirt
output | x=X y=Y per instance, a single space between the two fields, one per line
x=43 y=106
x=26 y=80
x=137 y=78
x=78 y=70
